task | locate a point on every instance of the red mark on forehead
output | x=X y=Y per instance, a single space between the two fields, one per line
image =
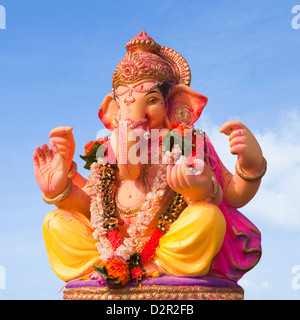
x=129 y=100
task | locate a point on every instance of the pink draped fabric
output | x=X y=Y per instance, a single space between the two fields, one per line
x=241 y=249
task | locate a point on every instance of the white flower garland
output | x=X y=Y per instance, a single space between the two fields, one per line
x=144 y=216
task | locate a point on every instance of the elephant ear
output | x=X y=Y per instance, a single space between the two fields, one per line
x=185 y=104
x=109 y=112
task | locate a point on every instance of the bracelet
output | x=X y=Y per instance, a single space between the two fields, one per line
x=213 y=195
x=72 y=170
x=61 y=196
x=248 y=177
x=215 y=192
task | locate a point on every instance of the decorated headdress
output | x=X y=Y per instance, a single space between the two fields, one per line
x=147 y=60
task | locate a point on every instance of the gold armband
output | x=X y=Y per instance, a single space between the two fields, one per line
x=61 y=197
x=248 y=177
x=213 y=195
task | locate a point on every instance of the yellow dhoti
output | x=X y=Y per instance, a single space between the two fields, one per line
x=192 y=242
x=70 y=244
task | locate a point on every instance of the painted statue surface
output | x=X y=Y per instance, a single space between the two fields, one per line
x=148 y=207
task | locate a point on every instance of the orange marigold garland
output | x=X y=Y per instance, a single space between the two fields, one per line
x=115 y=272
x=88 y=146
x=100 y=146
x=179 y=125
x=118 y=273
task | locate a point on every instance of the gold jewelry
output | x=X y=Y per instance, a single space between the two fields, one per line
x=115 y=120
x=248 y=177
x=129 y=212
x=172 y=213
x=141 y=244
x=73 y=170
x=132 y=212
x=61 y=197
x=183 y=114
x=107 y=177
x=213 y=195
x=215 y=191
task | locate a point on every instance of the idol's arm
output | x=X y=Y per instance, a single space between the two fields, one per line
x=237 y=191
x=77 y=200
x=51 y=174
x=242 y=186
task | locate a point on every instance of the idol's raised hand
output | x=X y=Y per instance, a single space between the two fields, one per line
x=243 y=144
x=50 y=170
x=63 y=138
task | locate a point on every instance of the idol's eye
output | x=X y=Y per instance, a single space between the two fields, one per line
x=152 y=100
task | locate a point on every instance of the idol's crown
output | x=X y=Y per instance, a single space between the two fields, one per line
x=143 y=42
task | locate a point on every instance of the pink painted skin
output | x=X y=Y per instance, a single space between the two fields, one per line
x=63 y=138
x=242 y=142
x=195 y=187
x=51 y=173
x=126 y=197
x=50 y=170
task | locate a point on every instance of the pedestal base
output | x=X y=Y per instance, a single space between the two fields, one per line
x=163 y=288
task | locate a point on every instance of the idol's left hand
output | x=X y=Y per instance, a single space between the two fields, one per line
x=243 y=144
x=192 y=182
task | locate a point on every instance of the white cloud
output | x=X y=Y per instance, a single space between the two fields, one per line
x=102 y=133
x=277 y=201
x=248 y=285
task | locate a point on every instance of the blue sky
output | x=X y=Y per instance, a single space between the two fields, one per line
x=56 y=63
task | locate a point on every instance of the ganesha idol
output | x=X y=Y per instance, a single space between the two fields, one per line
x=169 y=222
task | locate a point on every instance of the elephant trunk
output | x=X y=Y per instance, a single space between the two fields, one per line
x=129 y=167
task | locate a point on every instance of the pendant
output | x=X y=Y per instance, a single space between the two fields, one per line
x=133 y=211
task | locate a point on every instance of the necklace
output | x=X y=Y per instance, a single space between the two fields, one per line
x=133 y=211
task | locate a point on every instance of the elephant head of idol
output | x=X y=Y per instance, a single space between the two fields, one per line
x=150 y=91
